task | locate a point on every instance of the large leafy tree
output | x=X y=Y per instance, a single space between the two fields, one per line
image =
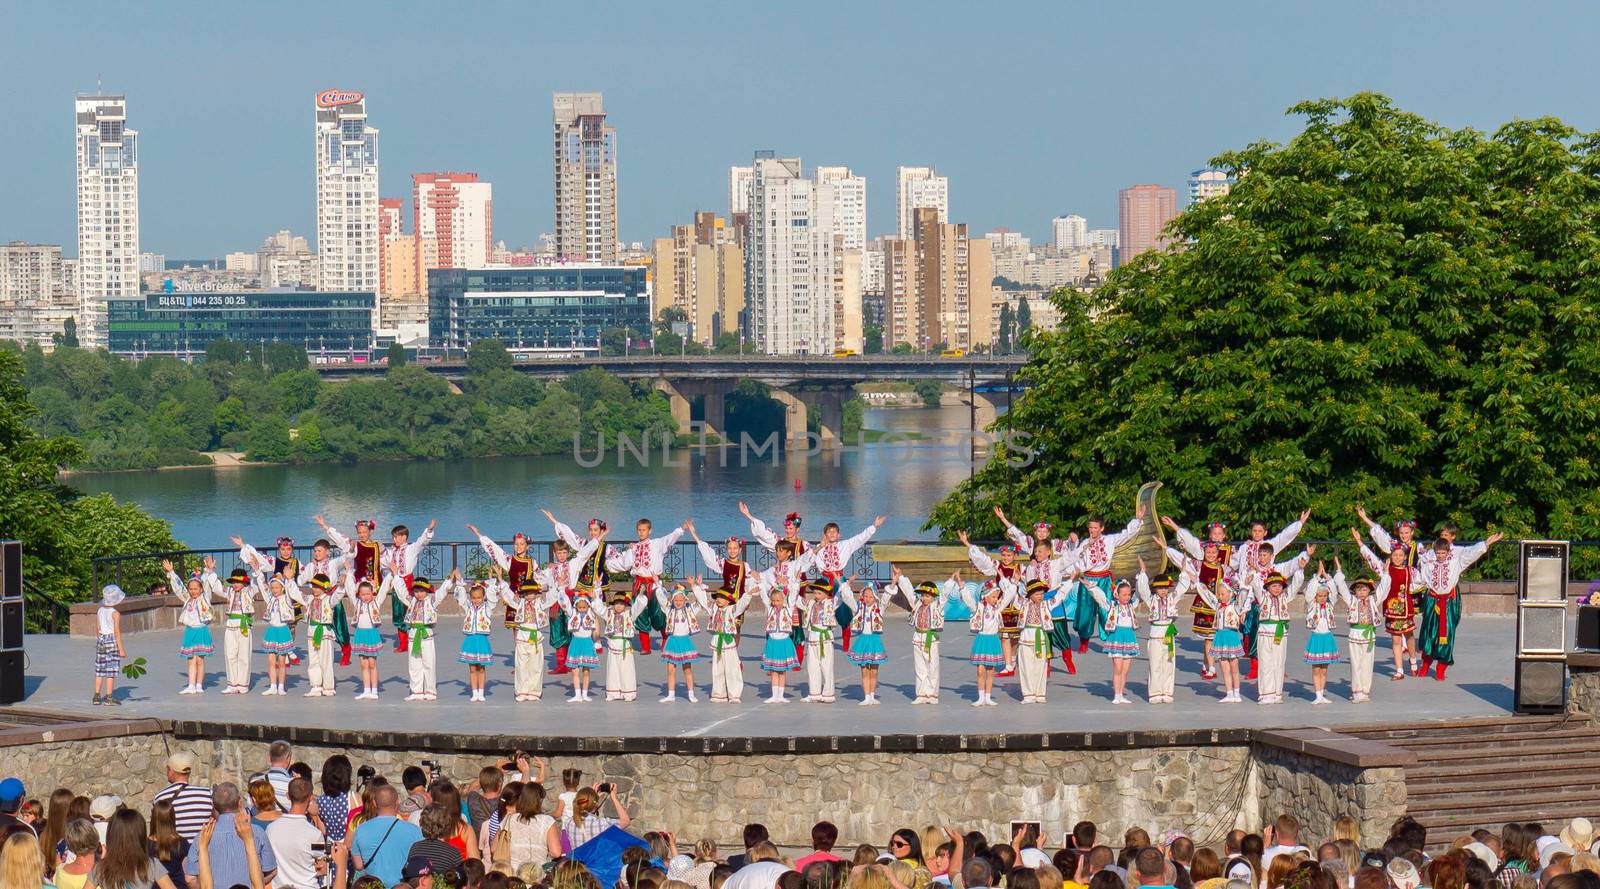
x=1383 y=311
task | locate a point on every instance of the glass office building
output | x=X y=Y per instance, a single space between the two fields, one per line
x=552 y=307
x=183 y=324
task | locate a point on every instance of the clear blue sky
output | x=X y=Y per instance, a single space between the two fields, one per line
x=1033 y=109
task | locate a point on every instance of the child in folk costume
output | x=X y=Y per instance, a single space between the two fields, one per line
x=518 y=566
x=819 y=620
x=1274 y=595
x=278 y=639
x=1093 y=562
x=399 y=566
x=286 y=565
x=1248 y=554
x=725 y=610
x=1004 y=567
x=643 y=559
x=1161 y=600
x=737 y=575
x=998 y=595
x=833 y=558
x=108 y=650
x=1119 y=635
x=195 y=618
x=1321 y=649
x=1227 y=646
x=927 y=625
x=1035 y=641
x=323 y=561
x=245 y=584
x=530 y=605
x=477 y=620
x=583 y=649
x=366 y=615
x=360 y=557
x=1362 y=598
x=319 y=597
x=1441 y=571
x=798 y=549
x=1405 y=586
x=420 y=616
x=1211 y=559
x=778 y=655
x=868 y=652
x=682 y=626
x=1265 y=567
x=1059 y=546
x=1056 y=572
x=621 y=628
x=574 y=565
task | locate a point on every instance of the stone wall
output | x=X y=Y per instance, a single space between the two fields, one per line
x=1317 y=790
x=1583 y=691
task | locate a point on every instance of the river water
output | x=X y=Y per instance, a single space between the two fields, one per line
x=503 y=495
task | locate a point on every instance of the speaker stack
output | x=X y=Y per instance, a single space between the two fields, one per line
x=12 y=624
x=1541 y=682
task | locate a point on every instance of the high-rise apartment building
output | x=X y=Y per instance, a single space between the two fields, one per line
x=34 y=300
x=453 y=220
x=739 y=190
x=285 y=260
x=401 y=304
x=917 y=187
x=1144 y=211
x=347 y=193
x=937 y=286
x=700 y=271
x=788 y=270
x=1209 y=182
x=108 y=211
x=1070 y=232
x=585 y=155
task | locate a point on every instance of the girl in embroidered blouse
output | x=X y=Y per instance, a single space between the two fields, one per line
x=477 y=617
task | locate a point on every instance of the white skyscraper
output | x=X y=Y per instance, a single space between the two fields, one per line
x=585 y=178
x=1104 y=237
x=347 y=193
x=842 y=205
x=739 y=190
x=1070 y=232
x=108 y=211
x=788 y=262
x=919 y=187
x=1209 y=182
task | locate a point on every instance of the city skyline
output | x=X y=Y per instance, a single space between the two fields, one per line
x=1075 y=148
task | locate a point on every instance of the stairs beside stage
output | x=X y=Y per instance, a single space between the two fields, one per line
x=1485 y=772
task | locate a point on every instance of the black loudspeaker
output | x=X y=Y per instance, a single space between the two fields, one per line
x=12 y=626
x=10 y=570
x=10 y=677
x=1541 y=685
x=1589 y=627
x=1543 y=577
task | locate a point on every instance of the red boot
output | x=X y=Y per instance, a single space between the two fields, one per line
x=1083 y=645
x=1427 y=664
x=1066 y=658
x=561 y=662
x=1438 y=671
x=344 y=655
x=401 y=641
x=844 y=637
x=644 y=641
x=1254 y=665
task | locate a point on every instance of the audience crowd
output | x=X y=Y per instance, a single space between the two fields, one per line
x=342 y=828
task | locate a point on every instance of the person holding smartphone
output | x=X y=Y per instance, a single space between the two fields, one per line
x=299 y=847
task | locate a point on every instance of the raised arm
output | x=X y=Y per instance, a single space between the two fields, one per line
x=848 y=595
x=761 y=533
x=1186 y=539
x=1282 y=539
x=708 y=555
x=1126 y=534
x=338 y=540
x=1141 y=586
x=743 y=604
x=415 y=547
x=848 y=546
x=562 y=531
x=980 y=559
x=665 y=542
x=1342 y=590
x=493 y=549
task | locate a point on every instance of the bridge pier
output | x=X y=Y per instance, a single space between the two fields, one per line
x=830 y=410
x=678 y=403
x=714 y=395
x=987 y=411
x=794 y=418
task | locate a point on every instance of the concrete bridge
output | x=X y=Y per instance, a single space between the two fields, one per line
x=796 y=381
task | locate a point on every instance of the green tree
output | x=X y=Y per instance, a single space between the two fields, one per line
x=268 y=440
x=1008 y=330
x=1383 y=311
x=68 y=338
x=225 y=351
x=874 y=340
x=284 y=357
x=1024 y=320
x=396 y=355
x=903 y=349
x=484 y=356
x=727 y=343
x=929 y=391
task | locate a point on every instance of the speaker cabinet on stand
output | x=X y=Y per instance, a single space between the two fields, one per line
x=1541 y=668
x=13 y=621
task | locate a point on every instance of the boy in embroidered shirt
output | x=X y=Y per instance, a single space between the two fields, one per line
x=320 y=598
x=1362 y=598
x=530 y=605
x=622 y=681
x=421 y=614
x=726 y=609
x=643 y=559
x=1035 y=641
x=1161 y=600
x=927 y=625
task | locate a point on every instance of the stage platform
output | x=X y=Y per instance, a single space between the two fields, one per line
x=1079 y=713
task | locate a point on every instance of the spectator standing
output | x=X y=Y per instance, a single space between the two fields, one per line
x=165 y=844
x=585 y=823
x=753 y=834
x=263 y=803
x=383 y=841
x=127 y=863
x=531 y=836
x=11 y=795
x=280 y=755
x=21 y=865
x=191 y=803
x=292 y=838
x=228 y=861
x=823 y=835
x=332 y=806
x=483 y=800
x=1150 y=869
x=83 y=851
x=438 y=828
x=1285 y=837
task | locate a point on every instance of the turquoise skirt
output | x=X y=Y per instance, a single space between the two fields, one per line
x=866 y=650
x=1321 y=650
x=583 y=652
x=1123 y=642
x=366 y=641
x=196 y=642
x=779 y=655
x=1227 y=645
x=680 y=650
x=986 y=651
x=277 y=640
x=475 y=650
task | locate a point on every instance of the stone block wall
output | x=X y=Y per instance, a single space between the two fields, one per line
x=1317 y=791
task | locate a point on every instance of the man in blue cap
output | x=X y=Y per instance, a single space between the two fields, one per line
x=11 y=794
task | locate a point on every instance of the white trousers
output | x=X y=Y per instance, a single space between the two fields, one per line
x=727 y=674
x=319 y=659
x=925 y=663
x=236 y=656
x=1163 y=669
x=1271 y=656
x=620 y=676
x=1033 y=663
x=1362 y=655
x=819 y=670
x=528 y=664
x=421 y=666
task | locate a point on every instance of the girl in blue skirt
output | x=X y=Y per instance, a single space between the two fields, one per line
x=682 y=627
x=366 y=641
x=195 y=618
x=1119 y=634
x=278 y=640
x=1227 y=646
x=583 y=653
x=779 y=655
x=987 y=653
x=866 y=645
x=1321 y=650
x=477 y=618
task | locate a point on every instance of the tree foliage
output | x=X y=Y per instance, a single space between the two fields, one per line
x=1382 y=311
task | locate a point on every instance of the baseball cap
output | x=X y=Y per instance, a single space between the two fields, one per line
x=416 y=866
x=181 y=761
x=11 y=793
